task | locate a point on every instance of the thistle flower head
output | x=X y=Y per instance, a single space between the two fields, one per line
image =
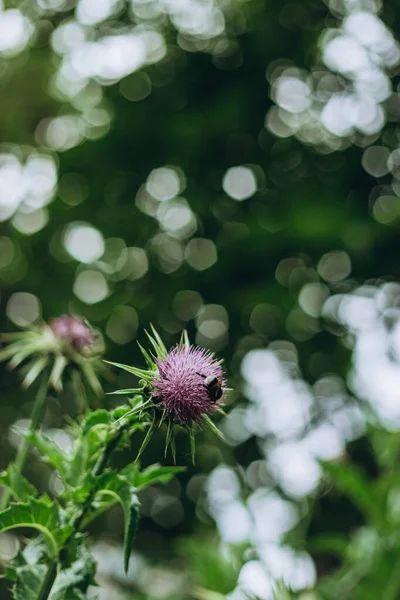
x=74 y=332
x=188 y=384
x=62 y=342
x=182 y=386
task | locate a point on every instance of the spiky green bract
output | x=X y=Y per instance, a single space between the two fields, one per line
x=64 y=344
x=174 y=385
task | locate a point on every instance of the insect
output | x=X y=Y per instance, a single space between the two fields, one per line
x=214 y=386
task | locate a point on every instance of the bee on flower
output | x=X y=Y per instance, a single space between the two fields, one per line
x=184 y=385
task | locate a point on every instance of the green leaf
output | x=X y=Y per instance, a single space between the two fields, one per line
x=354 y=484
x=73 y=582
x=121 y=411
x=147 y=438
x=157 y=343
x=168 y=437
x=97 y=417
x=124 y=492
x=29 y=579
x=153 y=474
x=41 y=514
x=333 y=543
x=192 y=445
x=51 y=453
x=92 y=435
x=127 y=391
x=213 y=427
x=35 y=551
x=20 y=487
x=184 y=341
x=85 y=455
x=151 y=363
x=141 y=373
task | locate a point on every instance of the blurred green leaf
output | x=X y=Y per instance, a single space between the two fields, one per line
x=73 y=582
x=350 y=480
x=151 y=475
x=41 y=514
x=29 y=579
x=119 y=488
x=20 y=487
x=50 y=453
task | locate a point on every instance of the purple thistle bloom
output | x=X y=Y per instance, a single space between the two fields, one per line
x=73 y=330
x=180 y=384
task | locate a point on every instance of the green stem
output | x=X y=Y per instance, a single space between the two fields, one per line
x=23 y=449
x=48 y=582
x=79 y=391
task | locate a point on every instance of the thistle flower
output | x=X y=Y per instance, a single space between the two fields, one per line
x=182 y=384
x=62 y=342
x=181 y=387
x=50 y=350
x=76 y=334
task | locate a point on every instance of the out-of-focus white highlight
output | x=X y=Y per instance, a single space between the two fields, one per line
x=90 y=287
x=15 y=31
x=25 y=186
x=84 y=242
x=23 y=308
x=239 y=183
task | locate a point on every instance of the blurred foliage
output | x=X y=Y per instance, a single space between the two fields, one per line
x=102 y=230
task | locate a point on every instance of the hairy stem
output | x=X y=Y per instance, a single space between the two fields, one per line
x=23 y=449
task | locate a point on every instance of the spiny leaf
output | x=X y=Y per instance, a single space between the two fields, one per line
x=41 y=514
x=121 y=411
x=35 y=551
x=192 y=445
x=184 y=341
x=157 y=343
x=20 y=487
x=147 y=438
x=73 y=582
x=120 y=488
x=127 y=391
x=29 y=579
x=153 y=474
x=51 y=453
x=163 y=416
x=168 y=437
x=212 y=426
x=151 y=363
x=141 y=373
x=85 y=454
x=173 y=445
x=96 y=417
